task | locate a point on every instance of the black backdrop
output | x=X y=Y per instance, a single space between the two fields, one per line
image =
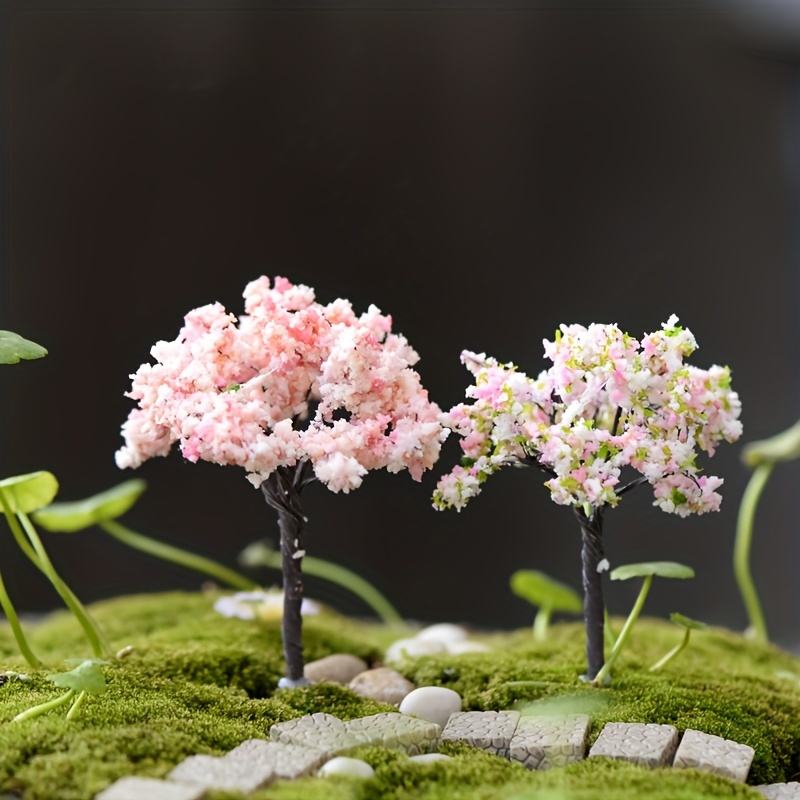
x=480 y=174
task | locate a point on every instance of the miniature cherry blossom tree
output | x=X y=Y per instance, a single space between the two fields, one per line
x=608 y=403
x=296 y=391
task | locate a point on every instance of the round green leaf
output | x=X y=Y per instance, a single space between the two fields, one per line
x=784 y=446
x=686 y=622
x=86 y=677
x=663 y=569
x=546 y=592
x=75 y=516
x=13 y=347
x=27 y=493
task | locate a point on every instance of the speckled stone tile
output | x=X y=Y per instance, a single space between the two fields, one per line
x=133 y=788
x=288 y=761
x=648 y=745
x=714 y=754
x=542 y=742
x=322 y=732
x=780 y=791
x=397 y=731
x=219 y=772
x=487 y=730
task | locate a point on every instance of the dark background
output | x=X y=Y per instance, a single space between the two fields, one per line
x=482 y=175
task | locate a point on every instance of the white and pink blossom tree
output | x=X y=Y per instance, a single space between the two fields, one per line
x=292 y=391
x=608 y=404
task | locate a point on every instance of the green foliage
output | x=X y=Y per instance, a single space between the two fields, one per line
x=547 y=594
x=197 y=682
x=647 y=570
x=661 y=569
x=23 y=494
x=13 y=348
x=541 y=590
x=81 y=514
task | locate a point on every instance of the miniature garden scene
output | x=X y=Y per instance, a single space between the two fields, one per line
x=398 y=406
x=243 y=691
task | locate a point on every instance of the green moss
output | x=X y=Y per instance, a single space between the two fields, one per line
x=197 y=682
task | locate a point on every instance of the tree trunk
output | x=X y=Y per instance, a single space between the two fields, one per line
x=593 y=605
x=282 y=492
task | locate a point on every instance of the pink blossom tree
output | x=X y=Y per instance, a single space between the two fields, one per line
x=295 y=392
x=607 y=404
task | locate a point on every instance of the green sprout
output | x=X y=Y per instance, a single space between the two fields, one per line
x=689 y=625
x=86 y=678
x=547 y=594
x=19 y=497
x=13 y=348
x=762 y=456
x=104 y=508
x=262 y=554
x=647 y=570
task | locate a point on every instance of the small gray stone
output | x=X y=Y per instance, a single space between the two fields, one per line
x=434 y=703
x=218 y=772
x=288 y=761
x=780 y=791
x=714 y=754
x=648 y=745
x=133 y=788
x=487 y=730
x=342 y=765
x=336 y=668
x=321 y=731
x=396 y=731
x=542 y=742
x=384 y=684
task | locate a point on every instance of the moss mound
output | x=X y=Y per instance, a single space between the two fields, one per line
x=196 y=682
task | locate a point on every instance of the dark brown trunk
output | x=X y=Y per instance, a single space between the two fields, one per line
x=593 y=605
x=282 y=492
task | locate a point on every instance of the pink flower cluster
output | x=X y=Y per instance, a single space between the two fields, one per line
x=606 y=403
x=236 y=394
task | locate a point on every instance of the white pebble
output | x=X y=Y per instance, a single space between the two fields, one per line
x=467 y=647
x=433 y=703
x=341 y=765
x=444 y=632
x=411 y=648
x=428 y=758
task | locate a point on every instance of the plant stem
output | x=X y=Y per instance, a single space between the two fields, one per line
x=13 y=621
x=540 y=623
x=282 y=492
x=625 y=632
x=593 y=605
x=610 y=636
x=43 y=708
x=335 y=573
x=177 y=556
x=73 y=709
x=672 y=653
x=89 y=626
x=741 y=553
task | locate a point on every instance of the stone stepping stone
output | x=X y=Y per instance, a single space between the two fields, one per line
x=133 y=788
x=397 y=731
x=287 y=761
x=220 y=772
x=648 y=745
x=780 y=791
x=320 y=731
x=487 y=730
x=542 y=742
x=714 y=754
